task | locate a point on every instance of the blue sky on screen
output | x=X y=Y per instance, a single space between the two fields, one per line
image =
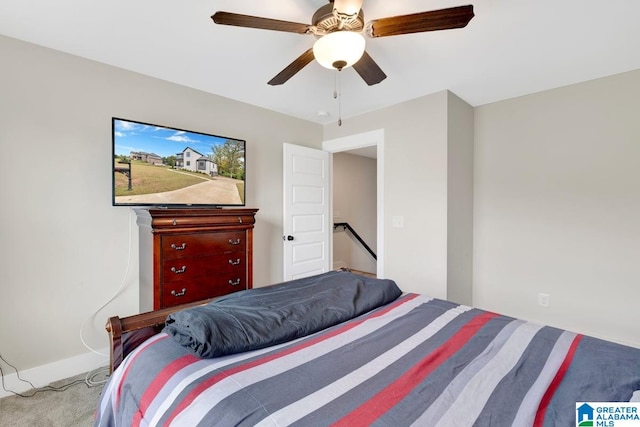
x=132 y=136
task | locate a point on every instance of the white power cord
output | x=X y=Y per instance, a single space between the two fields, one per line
x=123 y=283
x=89 y=381
x=90 y=378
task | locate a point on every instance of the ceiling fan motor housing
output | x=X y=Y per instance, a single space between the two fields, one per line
x=326 y=22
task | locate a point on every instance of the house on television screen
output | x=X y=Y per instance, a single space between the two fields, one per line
x=150 y=158
x=190 y=159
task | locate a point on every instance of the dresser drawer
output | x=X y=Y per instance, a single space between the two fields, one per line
x=193 y=290
x=180 y=269
x=189 y=254
x=193 y=245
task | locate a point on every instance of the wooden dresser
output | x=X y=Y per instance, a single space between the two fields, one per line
x=195 y=253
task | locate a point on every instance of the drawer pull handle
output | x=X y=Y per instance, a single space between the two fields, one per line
x=235 y=242
x=179 y=270
x=179 y=294
x=236 y=262
x=234 y=282
x=182 y=247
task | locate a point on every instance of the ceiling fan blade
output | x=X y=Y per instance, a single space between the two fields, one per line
x=370 y=72
x=290 y=70
x=444 y=19
x=235 y=19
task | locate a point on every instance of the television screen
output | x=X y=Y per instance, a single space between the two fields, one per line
x=164 y=166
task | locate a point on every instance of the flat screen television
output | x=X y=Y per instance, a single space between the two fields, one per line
x=161 y=166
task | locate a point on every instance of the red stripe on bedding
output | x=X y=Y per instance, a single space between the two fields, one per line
x=388 y=397
x=139 y=351
x=555 y=383
x=158 y=382
x=273 y=356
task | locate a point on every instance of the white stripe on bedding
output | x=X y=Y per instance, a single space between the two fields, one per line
x=456 y=387
x=529 y=406
x=314 y=401
x=226 y=387
x=183 y=378
x=469 y=403
x=172 y=389
x=116 y=375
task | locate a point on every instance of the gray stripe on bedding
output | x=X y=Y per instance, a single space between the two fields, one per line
x=425 y=394
x=470 y=402
x=185 y=379
x=351 y=380
x=349 y=359
x=361 y=393
x=528 y=407
x=428 y=391
x=515 y=385
x=129 y=406
x=439 y=407
x=601 y=371
x=284 y=370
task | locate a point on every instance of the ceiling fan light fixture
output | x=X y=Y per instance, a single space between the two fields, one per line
x=339 y=49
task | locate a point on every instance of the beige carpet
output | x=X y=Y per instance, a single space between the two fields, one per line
x=70 y=408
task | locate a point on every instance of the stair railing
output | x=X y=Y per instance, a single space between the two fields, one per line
x=345 y=226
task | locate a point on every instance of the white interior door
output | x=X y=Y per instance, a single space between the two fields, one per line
x=306 y=222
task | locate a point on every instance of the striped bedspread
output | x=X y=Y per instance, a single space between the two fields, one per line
x=414 y=362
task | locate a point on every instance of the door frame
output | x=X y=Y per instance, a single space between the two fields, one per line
x=351 y=142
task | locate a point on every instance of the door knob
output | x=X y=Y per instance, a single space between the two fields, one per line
x=289 y=238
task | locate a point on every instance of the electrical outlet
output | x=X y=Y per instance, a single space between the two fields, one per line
x=543 y=300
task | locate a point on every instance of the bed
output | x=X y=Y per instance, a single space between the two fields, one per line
x=341 y=349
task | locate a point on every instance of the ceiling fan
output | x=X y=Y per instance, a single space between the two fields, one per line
x=340 y=28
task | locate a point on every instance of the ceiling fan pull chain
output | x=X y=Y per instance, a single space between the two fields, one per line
x=339 y=92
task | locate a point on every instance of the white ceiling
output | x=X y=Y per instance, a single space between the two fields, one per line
x=510 y=48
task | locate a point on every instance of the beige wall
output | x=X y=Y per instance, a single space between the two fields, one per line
x=415 y=188
x=354 y=202
x=66 y=250
x=556 y=202
x=460 y=122
x=428 y=184
x=557 y=207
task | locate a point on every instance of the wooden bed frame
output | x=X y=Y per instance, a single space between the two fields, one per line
x=127 y=333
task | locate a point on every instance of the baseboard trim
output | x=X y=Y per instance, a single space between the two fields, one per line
x=44 y=375
x=338 y=264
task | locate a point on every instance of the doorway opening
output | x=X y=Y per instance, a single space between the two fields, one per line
x=357 y=204
x=354 y=213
